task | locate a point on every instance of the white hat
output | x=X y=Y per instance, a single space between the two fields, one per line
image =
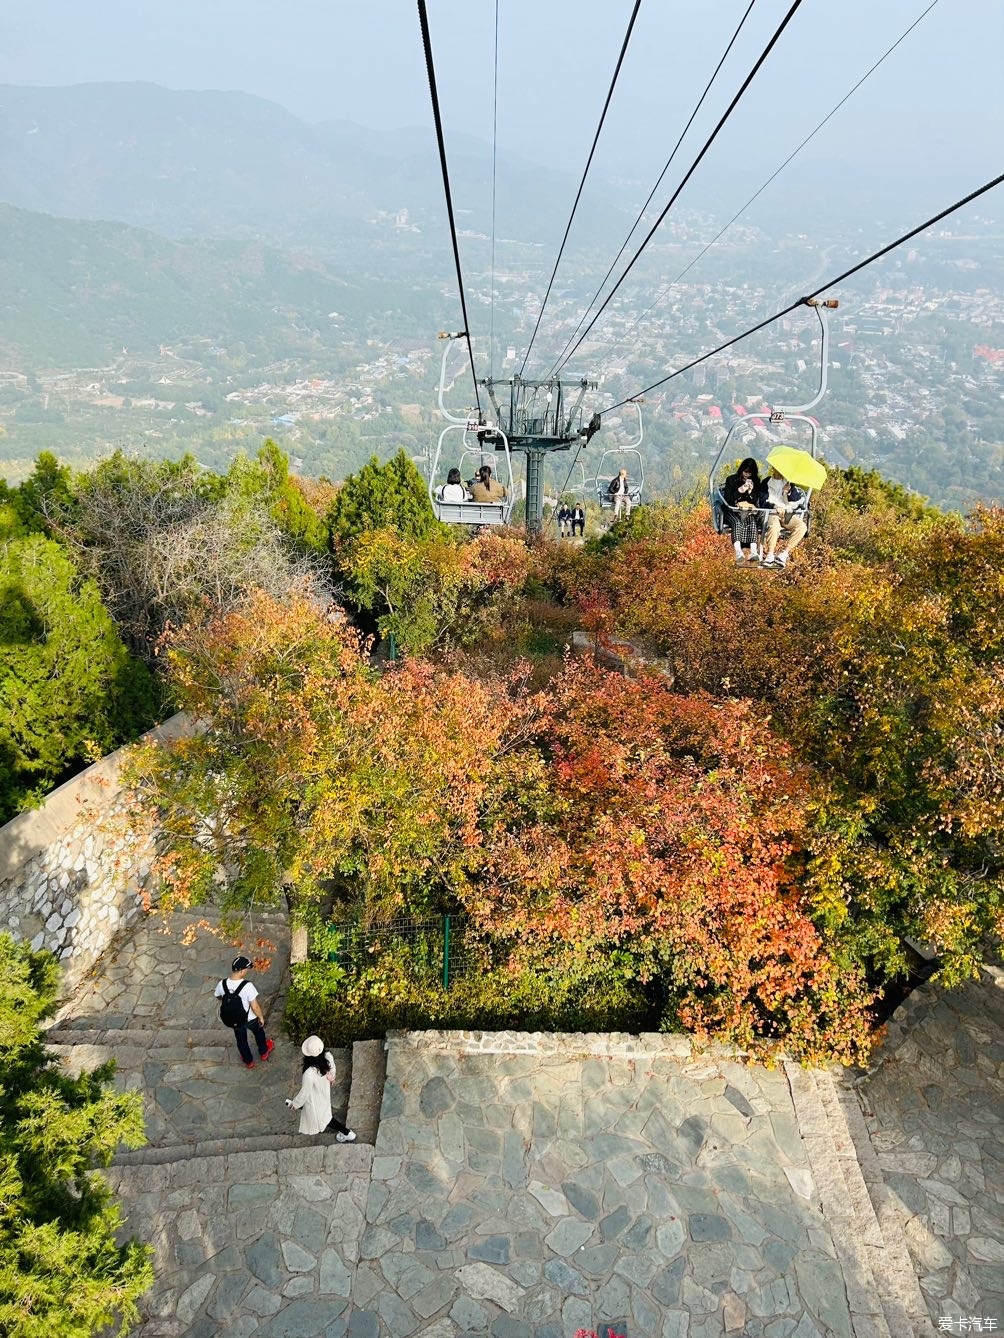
x=312 y=1047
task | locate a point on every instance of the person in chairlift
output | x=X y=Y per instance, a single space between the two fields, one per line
x=743 y=494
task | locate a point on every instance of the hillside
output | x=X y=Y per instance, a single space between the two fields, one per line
x=76 y=293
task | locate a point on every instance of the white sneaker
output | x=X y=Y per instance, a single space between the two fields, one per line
x=349 y=1137
x=783 y=558
x=739 y=557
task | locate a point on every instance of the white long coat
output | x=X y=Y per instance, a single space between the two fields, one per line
x=313 y=1100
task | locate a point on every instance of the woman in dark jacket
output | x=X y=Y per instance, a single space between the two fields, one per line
x=742 y=493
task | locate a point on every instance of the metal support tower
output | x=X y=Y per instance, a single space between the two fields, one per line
x=537 y=419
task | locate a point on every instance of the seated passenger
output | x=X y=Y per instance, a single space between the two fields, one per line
x=453 y=489
x=620 y=491
x=579 y=519
x=743 y=494
x=563 y=516
x=784 y=501
x=487 y=489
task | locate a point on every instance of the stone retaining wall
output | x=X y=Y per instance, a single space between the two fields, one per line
x=73 y=872
x=610 y=1044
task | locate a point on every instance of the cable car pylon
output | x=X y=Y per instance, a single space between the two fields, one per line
x=538 y=417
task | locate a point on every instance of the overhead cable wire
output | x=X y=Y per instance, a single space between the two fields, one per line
x=431 y=69
x=831 y=283
x=794 y=153
x=585 y=173
x=662 y=174
x=690 y=172
x=495 y=128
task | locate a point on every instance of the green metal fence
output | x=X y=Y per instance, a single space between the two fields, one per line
x=434 y=948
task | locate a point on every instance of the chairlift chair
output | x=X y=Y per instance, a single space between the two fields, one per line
x=476 y=436
x=721 y=512
x=616 y=458
x=473 y=513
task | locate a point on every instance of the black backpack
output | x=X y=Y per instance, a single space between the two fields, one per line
x=233 y=1012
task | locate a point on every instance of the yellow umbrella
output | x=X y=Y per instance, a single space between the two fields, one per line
x=797 y=466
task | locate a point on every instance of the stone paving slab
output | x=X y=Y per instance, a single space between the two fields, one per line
x=527 y=1185
x=150 y=1007
x=935 y=1111
x=162 y=973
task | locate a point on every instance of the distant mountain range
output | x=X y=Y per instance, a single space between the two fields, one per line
x=228 y=164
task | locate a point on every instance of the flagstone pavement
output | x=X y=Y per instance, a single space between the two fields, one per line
x=524 y=1186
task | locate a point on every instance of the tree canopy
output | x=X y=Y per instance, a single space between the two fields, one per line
x=69 y=690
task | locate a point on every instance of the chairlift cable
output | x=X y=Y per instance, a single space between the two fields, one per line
x=831 y=283
x=495 y=128
x=585 y=173
x=431 y=69
x=641 y=212
x=690 y=171
x=776 y=173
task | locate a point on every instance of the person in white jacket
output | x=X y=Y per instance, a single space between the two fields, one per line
x=313 y=1100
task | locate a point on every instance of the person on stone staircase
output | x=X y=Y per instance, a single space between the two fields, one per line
x=313 y=1100
x=241 y=1010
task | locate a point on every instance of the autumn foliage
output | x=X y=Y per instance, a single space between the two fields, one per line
x=603 y=825
x=737 y=841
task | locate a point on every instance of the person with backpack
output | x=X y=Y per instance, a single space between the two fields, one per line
x=240 y=1009
x=313 y=1100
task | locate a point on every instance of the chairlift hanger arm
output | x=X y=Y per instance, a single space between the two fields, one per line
x=448 y=336
x=583 y=387
x=489 y=385
x=820 y=308
x=634 y=445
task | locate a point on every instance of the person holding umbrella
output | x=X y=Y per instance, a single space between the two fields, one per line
x=786 y=501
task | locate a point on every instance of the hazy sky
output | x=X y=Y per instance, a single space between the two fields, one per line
x=935 y=107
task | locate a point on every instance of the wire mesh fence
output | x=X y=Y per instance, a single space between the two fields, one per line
x=436 y=948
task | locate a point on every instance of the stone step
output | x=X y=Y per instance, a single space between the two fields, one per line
x=369 y=1072
x=822 y=1146
x=142 y=1038
x=255 y=1161
x=902 y=1299
x=212 y=1147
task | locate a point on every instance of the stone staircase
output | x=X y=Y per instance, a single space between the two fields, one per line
x=882 y=1289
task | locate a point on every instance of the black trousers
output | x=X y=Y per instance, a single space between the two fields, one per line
x=241 y=1037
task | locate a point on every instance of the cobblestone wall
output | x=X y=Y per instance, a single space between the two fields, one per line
x=73 y=872
x=610 y=1044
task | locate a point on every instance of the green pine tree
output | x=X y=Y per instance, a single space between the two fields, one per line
x=61 y=1271
x=392 y=496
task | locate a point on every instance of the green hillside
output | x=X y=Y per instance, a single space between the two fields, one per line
x=76 y=293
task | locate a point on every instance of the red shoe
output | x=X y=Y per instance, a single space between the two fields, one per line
x=249 y=1066
x=269 y=1047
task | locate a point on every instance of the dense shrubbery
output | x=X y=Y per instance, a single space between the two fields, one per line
x=600 y=828
x=880 y=657
x=69 y=690
x=390 y=996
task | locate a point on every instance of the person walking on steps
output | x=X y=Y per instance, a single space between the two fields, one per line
x=313 y=1100
x=241 y=1010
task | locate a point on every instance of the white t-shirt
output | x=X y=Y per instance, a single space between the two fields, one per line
x=454 y=492
x=248 y=993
